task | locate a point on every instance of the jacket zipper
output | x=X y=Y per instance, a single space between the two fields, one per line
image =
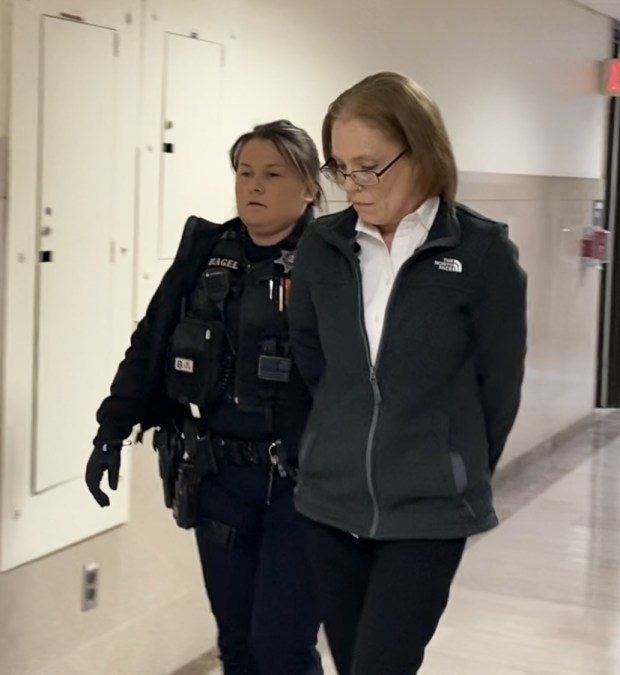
x=406 y=264
x=373 y=374
x=373 y=369
x=375 y=411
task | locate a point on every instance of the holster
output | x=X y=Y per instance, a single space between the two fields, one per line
x=185 y=458
x=166 y=442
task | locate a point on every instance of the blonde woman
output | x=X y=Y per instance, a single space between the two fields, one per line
x=408 y=326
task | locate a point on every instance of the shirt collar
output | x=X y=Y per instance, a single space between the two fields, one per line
x=424 y=215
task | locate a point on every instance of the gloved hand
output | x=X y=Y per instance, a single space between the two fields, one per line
x=106 y=457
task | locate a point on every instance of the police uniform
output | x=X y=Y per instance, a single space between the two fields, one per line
x=227 y=365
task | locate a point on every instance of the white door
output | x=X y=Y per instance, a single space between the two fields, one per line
x=67 y=292
x=190 y=163
x=76 y=256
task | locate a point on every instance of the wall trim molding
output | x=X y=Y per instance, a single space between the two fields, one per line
x=476 y=186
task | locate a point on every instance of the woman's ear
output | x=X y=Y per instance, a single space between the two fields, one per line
x=310 y=194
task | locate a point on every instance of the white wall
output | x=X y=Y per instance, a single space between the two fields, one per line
x=516 y=81
x=4 y=98
x=4 y=65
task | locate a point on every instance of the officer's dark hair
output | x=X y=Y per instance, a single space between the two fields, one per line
x=296 y=148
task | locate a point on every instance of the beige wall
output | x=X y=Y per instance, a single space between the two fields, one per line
x=546 y=219
x=4 y=65
x=4 y=100
x=494 y=70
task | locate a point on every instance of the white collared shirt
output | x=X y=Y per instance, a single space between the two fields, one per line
x=379 y=266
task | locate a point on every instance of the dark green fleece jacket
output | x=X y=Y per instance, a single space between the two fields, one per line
x=406 y=448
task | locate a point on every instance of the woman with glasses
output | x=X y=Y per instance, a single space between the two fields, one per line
x=408 y=326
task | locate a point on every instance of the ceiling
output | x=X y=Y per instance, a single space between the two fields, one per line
x=605 y=7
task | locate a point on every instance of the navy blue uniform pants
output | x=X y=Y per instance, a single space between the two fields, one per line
x=260 y=588
x=380 y=600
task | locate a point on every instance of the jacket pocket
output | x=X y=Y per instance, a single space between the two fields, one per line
x=459 y=472
x=194 y=365
x=461 y=481
x=415 y=463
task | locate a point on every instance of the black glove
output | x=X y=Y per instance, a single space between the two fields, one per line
x=106 y=457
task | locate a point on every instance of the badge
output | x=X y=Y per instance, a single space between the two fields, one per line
x=287 y=260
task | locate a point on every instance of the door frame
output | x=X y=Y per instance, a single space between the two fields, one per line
x=608 y=357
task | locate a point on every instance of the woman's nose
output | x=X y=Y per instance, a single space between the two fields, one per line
x=350 y=185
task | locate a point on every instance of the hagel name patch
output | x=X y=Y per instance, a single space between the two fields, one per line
x=224 y=262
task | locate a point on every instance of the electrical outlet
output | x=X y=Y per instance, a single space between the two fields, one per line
x=90 y=586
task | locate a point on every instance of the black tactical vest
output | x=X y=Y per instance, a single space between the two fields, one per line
x=231 y=343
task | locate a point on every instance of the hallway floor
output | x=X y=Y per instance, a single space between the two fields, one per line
x=540 y=594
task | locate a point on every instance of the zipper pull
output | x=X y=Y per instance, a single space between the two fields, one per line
x=375 y=385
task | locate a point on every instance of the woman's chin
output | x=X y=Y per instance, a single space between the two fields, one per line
x=254 y=222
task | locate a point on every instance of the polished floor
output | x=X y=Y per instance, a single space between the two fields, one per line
x=540 y=595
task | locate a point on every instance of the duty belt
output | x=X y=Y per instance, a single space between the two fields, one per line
x=240 y=452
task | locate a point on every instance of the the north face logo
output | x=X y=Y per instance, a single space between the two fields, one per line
x=449 y=265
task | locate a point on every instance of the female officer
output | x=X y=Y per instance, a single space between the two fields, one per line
x=408 y=325
x=208 y=365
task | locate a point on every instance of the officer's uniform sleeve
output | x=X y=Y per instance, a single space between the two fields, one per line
x=131 y=390
x=304 y=332
x=499 y=313
x=308 y=359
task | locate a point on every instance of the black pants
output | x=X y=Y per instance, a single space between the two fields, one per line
x=260 y=589
x=380 y=601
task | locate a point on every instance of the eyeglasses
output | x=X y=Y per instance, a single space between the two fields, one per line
x=361 y=177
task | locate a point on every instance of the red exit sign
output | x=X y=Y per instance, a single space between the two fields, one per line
x=610 y=80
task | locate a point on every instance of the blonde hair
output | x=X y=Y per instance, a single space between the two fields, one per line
x=401 y=109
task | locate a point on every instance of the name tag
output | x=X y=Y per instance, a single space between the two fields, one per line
x=184 y=365
x=224 y=262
